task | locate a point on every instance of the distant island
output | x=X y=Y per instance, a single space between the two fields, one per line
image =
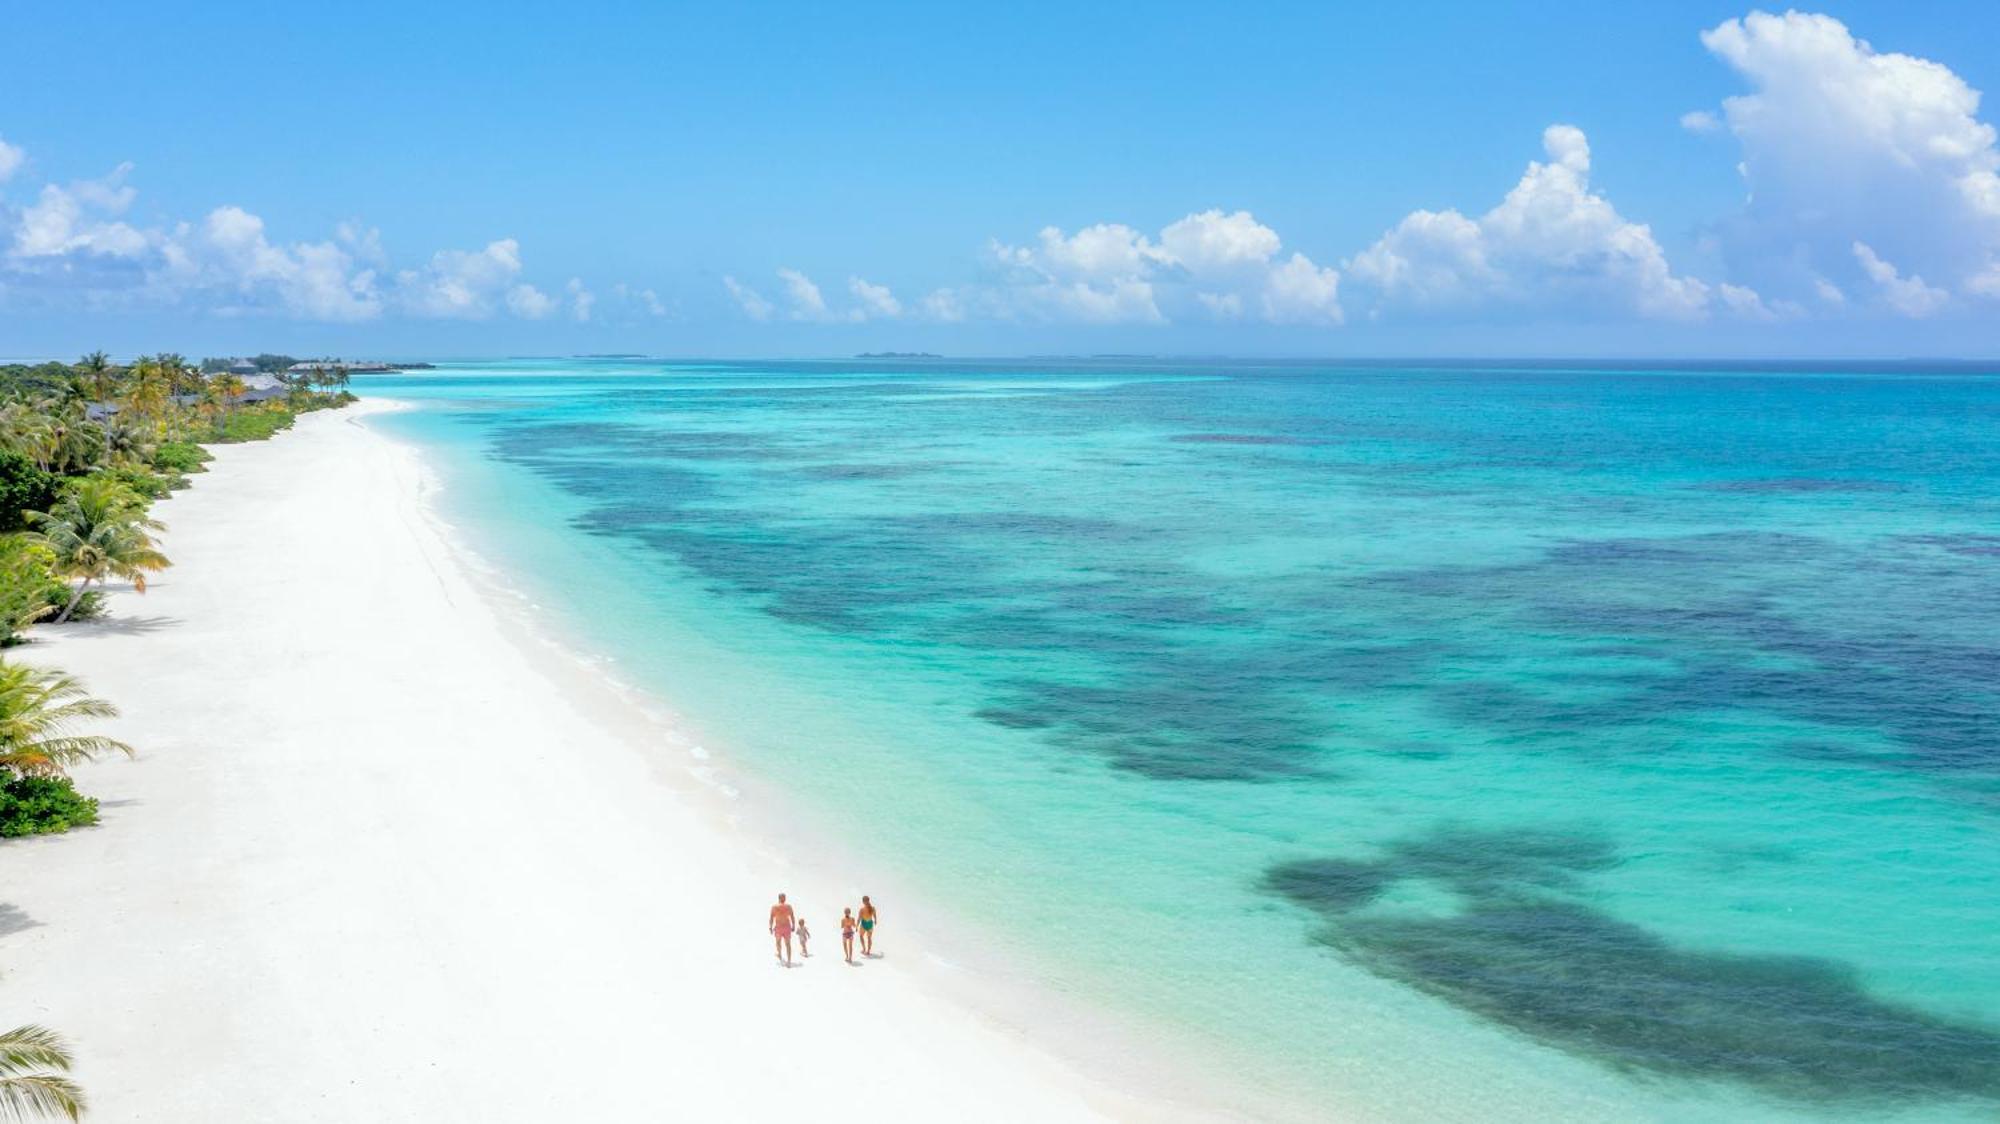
x=898 y=355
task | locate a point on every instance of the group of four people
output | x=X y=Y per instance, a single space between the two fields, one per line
x=785 y=921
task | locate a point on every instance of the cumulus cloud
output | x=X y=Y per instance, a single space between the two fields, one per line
x=1551 y=242
x=11 y=159
x=1843 y=144
x=229 y=253
x=1207 y=264
x=529 y=303
x=1907 y=295
x=73 y=241
x=462 y=284
x=80 y=217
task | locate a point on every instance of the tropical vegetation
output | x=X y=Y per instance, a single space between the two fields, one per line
x=85 y=448
x=34 y=1076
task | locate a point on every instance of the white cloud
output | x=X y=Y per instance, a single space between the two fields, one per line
x=581 y=301
x=806 y=299
x=1907 y=295
x=229 y=253
x=942 y=305
x=1211 y=242
x=1551 y=242
x=529 y=303
x=645 y=301
x=752 y=302
x=1700 y=121
x=1299 y=292
x=876 y=301
x=72 y=242
x=1985 y=284
x=462 y=284
x=80 y=218
x=1843 y=144
x=11 y=158
x=1207 y=264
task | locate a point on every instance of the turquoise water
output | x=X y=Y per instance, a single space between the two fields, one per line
x=1430 y=743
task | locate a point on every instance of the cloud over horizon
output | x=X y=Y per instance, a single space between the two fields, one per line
x=1846 y=149
x=73 y=240
x=1872 y=192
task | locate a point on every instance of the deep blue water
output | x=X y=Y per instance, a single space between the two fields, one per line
x=1480 y=742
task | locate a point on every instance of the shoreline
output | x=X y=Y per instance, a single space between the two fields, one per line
x=366 y=818
x=958 y=963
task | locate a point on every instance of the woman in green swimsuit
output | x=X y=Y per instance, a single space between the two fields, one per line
x=868 y=919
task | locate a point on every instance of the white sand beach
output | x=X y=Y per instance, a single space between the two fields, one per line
x=380 y=859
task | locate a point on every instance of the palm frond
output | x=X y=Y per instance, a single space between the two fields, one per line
x=32 y=1047
x=40 y=1096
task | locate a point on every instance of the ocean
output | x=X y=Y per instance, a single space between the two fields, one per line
x=1503 y=741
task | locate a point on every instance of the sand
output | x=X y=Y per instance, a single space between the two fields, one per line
x=380 y=858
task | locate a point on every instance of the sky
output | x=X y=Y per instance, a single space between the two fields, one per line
x=1415 y=179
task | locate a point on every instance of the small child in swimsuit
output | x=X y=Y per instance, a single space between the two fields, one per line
x=847 y=933
x=804 y=937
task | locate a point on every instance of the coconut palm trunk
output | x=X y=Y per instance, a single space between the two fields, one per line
x=75 y=599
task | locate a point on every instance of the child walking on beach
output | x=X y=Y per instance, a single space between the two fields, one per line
x=804 y=937
x=847 y=933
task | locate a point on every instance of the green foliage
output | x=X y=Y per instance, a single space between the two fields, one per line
x=29 y=588
x=21 y=380
x=147 y=485
x=38 y=805
x=23 y=488
x=98 y=531
x=34 y=1076
x=39 y=711
x=254 y=423
x=181 y=457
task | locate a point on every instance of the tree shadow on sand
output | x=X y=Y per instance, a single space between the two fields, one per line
x=14 y=919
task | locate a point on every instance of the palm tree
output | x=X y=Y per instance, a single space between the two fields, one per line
x=33 y=1063
x=38 y=708
x=225 y=387
x=97 y=532
x=26 y=431
x=74 y=444
x=97 y=369
x=125 y=443
x=150 y=389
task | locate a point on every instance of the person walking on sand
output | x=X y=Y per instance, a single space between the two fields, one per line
x=847 y=933
x=868 y=921
x=805 y=938
x=781 y=931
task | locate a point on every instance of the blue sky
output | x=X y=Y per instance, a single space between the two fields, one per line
x=785 y=180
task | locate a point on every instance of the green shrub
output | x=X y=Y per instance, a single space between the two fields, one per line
x=151 y=485
x=253 y=423
x=42 y=806
x=326 y=402
x=23 y=487
x=175 y=457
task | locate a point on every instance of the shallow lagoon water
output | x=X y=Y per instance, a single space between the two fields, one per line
x=1477 y=743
